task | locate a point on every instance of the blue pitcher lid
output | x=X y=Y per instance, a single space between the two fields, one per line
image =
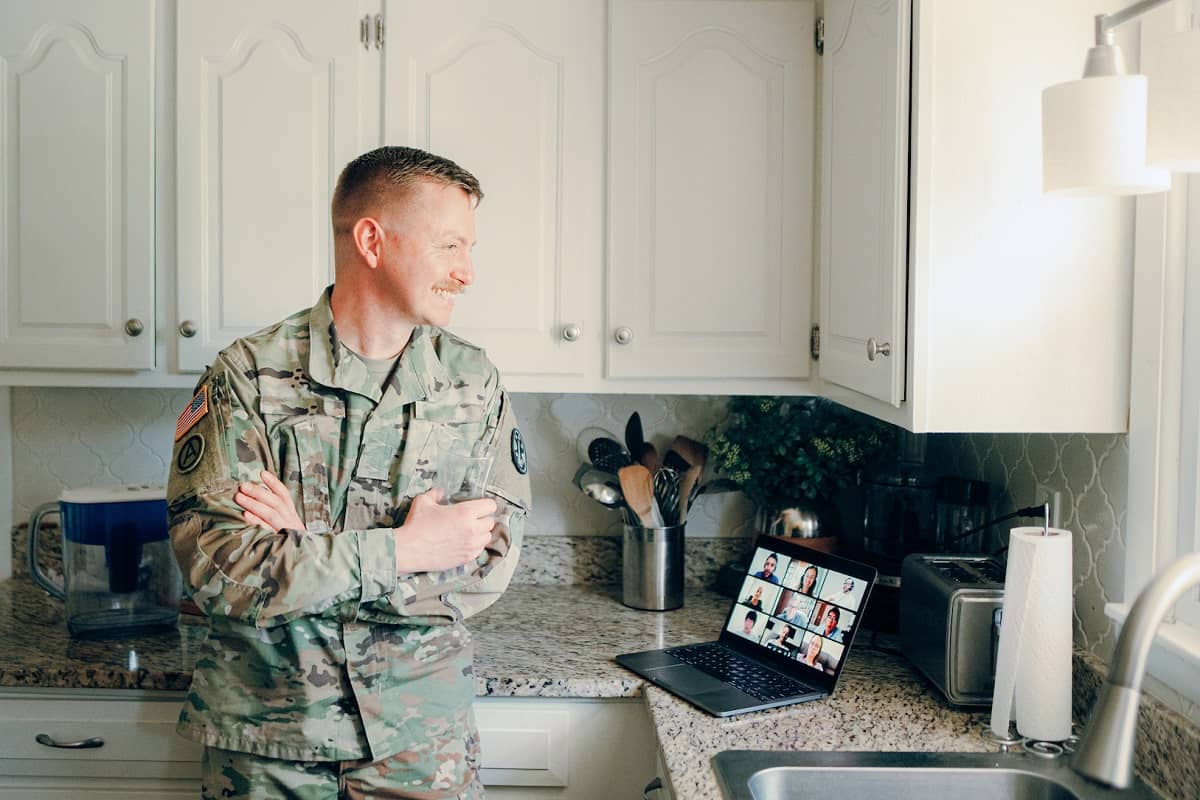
x=114 y=494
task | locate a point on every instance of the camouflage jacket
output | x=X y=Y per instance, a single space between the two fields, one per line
x=317 y=649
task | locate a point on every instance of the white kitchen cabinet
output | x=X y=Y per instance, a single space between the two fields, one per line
x=710 y=196
x=564 y=749
x=514 y=91
x=1017 y=304
x=864 y=197
x=136 y=754
x=551 y=748
x=77 y=169
x=272 y=101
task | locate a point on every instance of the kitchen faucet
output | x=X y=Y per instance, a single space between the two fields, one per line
x=1105 y=753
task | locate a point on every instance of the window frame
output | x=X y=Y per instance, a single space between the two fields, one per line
x=1164 y=476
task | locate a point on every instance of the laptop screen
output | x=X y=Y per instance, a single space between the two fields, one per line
x=799 y=606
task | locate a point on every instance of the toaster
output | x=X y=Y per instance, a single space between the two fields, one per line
x=950 y=608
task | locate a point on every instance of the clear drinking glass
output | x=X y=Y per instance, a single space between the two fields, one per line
x=463 y=468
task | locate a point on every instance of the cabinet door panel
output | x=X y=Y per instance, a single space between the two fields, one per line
x=268 y=103
x=77 y=162
x=513 y=91
x=710 y=194
x=864 y=184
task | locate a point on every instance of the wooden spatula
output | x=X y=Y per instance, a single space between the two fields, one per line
x=693 y=452
x=638 y=488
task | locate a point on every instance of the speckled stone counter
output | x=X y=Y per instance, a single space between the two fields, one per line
x=559 y=641
x=537 y=641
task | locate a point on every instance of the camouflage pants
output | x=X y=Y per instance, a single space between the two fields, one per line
x=227 y=774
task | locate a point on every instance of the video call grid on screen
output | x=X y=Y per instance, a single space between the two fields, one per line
x=797 y=609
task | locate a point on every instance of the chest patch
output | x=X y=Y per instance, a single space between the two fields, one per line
x=517 y=446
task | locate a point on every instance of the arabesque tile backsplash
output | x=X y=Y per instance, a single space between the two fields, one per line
x=65 y=437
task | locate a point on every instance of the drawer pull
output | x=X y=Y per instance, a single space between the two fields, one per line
x=82 y=744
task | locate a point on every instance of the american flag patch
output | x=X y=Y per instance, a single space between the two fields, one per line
x=194 y=412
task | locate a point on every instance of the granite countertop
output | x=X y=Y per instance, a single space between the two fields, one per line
x=880 y=704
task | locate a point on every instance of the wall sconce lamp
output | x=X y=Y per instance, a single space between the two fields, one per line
x=1119 y=134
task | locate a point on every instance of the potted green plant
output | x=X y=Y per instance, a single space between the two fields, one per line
x=791 y=455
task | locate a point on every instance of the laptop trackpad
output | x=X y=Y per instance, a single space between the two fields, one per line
x=686 y=678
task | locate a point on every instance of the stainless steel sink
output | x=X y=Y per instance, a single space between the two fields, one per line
x=768 y=775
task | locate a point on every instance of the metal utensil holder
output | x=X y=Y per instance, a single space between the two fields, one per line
x=652 y=567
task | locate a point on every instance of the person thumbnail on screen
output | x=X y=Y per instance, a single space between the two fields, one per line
x=747 y=622
x=779 y=638
x=759 y=594
x=754 y=600
x=809 y=581
x=832 y=622
x=810 y=651
x=794 y=607
x=768 y=565
x=846 y=592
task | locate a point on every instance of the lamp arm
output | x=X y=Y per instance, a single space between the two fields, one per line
x=1106 y=22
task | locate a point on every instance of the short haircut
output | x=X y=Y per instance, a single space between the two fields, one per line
x=834 y=610
x=769 y=557
x=366 y=182
x=752 y=616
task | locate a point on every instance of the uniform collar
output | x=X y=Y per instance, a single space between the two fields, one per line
x=421 y=374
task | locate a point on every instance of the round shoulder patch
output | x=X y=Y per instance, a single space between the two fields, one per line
x=517 y=446
x=190 y=453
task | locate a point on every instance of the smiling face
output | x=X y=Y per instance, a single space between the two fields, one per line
x=428 y=233
x=808 y=580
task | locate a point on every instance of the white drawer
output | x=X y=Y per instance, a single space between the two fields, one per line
x=137 y=737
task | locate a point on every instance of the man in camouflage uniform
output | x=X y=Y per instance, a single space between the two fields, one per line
x=335 y=583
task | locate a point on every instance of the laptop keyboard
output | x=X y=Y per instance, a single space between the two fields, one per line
x=737 y=670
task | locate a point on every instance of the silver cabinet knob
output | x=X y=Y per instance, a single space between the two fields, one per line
x=877 y=349
x=623 y=335
x=187 y=329
x=134 y=327
x=570 y=333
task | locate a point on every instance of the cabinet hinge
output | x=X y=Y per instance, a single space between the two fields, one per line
x=819 y=36
x=379 y=31
x=364 y=31
x=814 y=342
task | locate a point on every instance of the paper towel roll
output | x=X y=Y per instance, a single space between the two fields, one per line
x=1033 y=667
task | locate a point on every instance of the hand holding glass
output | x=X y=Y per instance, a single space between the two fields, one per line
x=462 y=470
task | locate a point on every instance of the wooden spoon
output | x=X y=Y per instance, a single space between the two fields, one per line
x=647 y=456
x=638 y=487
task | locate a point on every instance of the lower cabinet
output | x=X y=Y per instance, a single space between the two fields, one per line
x=118 y=745
x=103 y=745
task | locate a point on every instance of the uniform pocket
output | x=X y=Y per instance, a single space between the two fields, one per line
x=317 y=440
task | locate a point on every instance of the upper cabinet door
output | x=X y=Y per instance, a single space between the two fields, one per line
x=269 y=98
x=864 y=191
x=711 y=132
x=513 y=90
x=77 y=170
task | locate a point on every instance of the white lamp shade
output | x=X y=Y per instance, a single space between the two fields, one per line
x=1173 y=122
x=1094 y=138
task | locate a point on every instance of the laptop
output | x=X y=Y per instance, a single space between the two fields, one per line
x=784 y=640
